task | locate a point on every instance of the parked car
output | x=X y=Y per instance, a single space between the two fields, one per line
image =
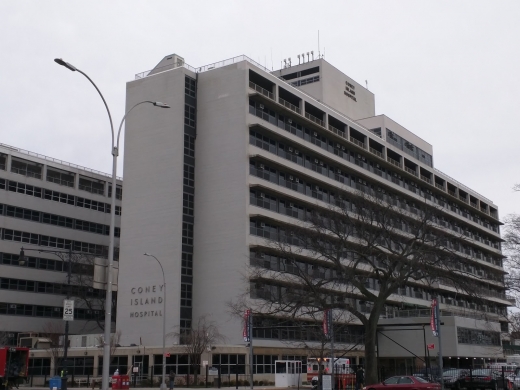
x=451 y=377
x=483 y=378
x=405 y=383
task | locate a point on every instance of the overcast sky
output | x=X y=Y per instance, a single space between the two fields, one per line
x=446 y=70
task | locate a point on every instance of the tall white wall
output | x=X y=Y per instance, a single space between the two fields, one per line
x=221 y=196
x=152 y=204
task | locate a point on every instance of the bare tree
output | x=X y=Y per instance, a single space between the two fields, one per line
x=52 y=331
x=354 y=256
x=88 y=292
x=200 y=338
x=114 y=342
x=4 y=338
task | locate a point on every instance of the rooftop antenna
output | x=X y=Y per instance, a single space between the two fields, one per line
x=303 y=57
x=366 y=82
x=312 y=53
x=319 y=53
x=284 y=63
x=323 y=52
x=308 y=56
x=289 y=61
x=298 y=59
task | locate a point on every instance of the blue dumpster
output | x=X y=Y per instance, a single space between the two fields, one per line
x=55 y=382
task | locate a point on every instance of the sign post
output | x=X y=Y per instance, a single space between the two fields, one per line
x=436 y=329
x=68 y=310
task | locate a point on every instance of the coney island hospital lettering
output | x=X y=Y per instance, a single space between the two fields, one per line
x=147 y=295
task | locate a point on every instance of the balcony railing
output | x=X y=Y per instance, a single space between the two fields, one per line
x=314 y=119
x=60 y=181
x=263 y=91
x=452 y=193
x=337 y=131
x=439 y=186
x=394 y=162
x=473 y=204
x=443 y=313
x=25 y=172
x=357 y=142
x=377 y=153
x=288 y=105
x=427 y=180
x=412 y=171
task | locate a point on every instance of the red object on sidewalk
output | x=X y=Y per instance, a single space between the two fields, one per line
x=120 y=382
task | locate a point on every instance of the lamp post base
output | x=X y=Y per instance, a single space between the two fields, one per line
x=163 y=386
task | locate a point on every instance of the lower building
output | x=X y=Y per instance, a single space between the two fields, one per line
x=50 y=205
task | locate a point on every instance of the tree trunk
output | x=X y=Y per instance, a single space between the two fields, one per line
x=371 y=370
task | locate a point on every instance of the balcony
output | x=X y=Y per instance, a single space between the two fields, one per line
x=511 y=299
x=377 y=153
x=424 y=178
x=314 y=119
x=440 y=186
x=393 y=162
x=337 y=131
x=261 y=90
x=290 y=106
x=452 y=193
x=411 y=171
x=357 y=142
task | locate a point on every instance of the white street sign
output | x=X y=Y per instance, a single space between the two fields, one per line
x=68 y=310
x=204 y=363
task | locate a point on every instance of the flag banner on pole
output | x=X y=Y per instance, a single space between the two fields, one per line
x=326 y=322
x=434 y=321
x=247 y=326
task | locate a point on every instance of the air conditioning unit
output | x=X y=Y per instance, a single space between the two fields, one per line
x=262 y=224
x=261 y=106
x=290 y=149
x=55 y=309
x=342 y=148
x=338 y=171
x=260 y=255
x=261 y=166
x=12 y=306
x=317 y=188
x=291 y=177
x=297 y=180
x=315 y=134
x=338 y=146
x=291 y=204
x=321 y=163
x=316 y=160
x=289 y=120
x=296 y=152
x=262 y=195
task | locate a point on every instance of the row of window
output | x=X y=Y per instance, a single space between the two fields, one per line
x=408 y=148
x=295 y=183
x=17 y=309
x=45 y=264
x=49 y=288
x=56 y=242
x=477 y=337
x=57 y=220
x=294 y=209
x=333 y=146
x=33 y=169
x=56 y=196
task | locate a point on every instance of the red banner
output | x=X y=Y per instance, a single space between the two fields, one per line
x=430 y=346
x=247 y=326
x=434 y=321
x=326 y=322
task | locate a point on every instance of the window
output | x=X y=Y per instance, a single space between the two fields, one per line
x=189 y=175
x=391 y=381
x=39 y=366
x=116 y=362
x=189 y=146
x=187 y=233
x=186 y=291
x=119 y=192
x=189 y=115
x=60 y=177
x=26 y=168
x=230 y=364
x=187 y=264
x=187 y=204
x=477 y=337
x=190 y=88
x=92 y=185
x=405 y=380
x=264 y=364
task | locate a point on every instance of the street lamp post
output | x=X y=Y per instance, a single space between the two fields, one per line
x=21 y=261
x=115 y=153
x=163 y=383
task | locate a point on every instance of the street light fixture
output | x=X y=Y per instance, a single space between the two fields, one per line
x=163 y=382
x=115 y=153
x=21 y=261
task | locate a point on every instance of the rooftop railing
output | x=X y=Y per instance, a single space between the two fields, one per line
x=23 y=151
x=263 y=91
x=462 y=185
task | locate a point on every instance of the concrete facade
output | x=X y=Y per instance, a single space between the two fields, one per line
x=46 y=204
x=230 y=109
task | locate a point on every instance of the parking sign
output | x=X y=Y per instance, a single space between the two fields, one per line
x=68 y=310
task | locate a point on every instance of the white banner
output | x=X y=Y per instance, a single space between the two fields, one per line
x=68 y=310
